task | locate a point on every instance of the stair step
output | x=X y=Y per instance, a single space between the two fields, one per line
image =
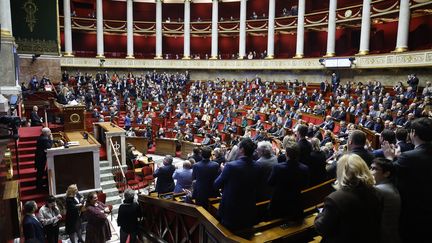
x=104 y=163
x=110 y=192
x=105 y=170
x=25 y=164
x=107 y=184
x=26 y=150
x=106 y=176
x=25 y=157
x=25 y=144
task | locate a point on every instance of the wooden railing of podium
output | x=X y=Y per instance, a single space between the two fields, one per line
x=174 y=221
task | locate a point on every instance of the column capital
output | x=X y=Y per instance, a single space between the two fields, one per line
x=6 y=33
x=362 y=53
x=130 y=57
x=400 y=49
x=158 y=57
x=298 y=56
x=269 y=57
x=330 y=54
x=100 y=56
x=186 y=57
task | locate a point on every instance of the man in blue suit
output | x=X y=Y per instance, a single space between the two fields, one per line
x=204 y=174
x=165 y=181
x=239 y=181
x=32 y=227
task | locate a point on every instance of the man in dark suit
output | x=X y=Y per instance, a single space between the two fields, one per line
x=128 y=218
x=335 y=80
x=304 y=145
x=32 y=227
x=204 y=174
x=401 y=137
x=238 y=181
x=288 y=179
x=43 y=143
x=35 y=119
x=165 y=182
x=328 y=124
x=413 y=180
x=356 y=143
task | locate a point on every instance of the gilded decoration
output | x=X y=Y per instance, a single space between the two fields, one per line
x=30 y=9
x=390 y=60
x=36 y=46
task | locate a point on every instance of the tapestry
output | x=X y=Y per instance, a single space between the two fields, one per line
x=35 y=26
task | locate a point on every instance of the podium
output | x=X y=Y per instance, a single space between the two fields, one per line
x=105 y=133
x=77 y=164
x=166 y=146
x=73 y=116
x=187 y=148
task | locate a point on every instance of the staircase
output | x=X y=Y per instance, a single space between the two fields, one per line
x=109 y=186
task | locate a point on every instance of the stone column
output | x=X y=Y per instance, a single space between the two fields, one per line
x=271 y=30
x=130 y=34
x=403 y=26
x=67 y=29
x=8 y=80
x=5 y=18
x=99 y=30
x=214 y=36
x=365 y=28
x=331 y=32
x=186 y=38
x=300 y=29
x=242 y=34
x=158 y=29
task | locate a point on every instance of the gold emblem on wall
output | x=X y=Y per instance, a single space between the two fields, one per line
x=30 y=9
x=75 y=118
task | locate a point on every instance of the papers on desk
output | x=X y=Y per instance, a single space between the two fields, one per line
x=73 y=143
x=57 y=148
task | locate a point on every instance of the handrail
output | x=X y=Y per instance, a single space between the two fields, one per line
x=123 y=179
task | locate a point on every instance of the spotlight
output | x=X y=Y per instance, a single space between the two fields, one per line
x=101 y=62
x=34 y=57
x=322 y=61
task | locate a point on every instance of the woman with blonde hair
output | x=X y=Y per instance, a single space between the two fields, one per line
x=74 y=203
x=353 y=212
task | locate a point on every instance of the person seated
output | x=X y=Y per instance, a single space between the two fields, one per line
x=35 y=119
x=328 y=124
x=233 y=128
x=183 y=177
x=220 y=117
x=161 y=133
x=273 y=128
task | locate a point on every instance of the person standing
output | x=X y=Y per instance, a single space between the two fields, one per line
x=413 y=177
x=183 y=177
x=204 y=174
x=353 y=212
x=49 y=216
x=32 y=227
x=74 y=203
x=44 y=142
x=238 y=182
x=165 y=182
x=128 y=218
x=98 y=229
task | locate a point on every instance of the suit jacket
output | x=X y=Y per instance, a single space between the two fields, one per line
x=404 y=146
x=413 y=174
x=391 y=212
x=128 y=216
x=364 y=154
x=204 y=173
x=305 y=150
x=288 y=179
x=43 y=143
x=35 y=119
x=72 y=213
x=264 y=191
x=165 y=182
x=33 y=230
x=350 y=215
x=238 y=181
x=184 y=180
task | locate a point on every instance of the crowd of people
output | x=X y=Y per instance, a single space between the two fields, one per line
x=247 y=168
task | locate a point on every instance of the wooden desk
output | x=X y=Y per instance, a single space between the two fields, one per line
x=74 y=165
x=106 y=131
x=187 y=148
x=73 y=116
x=140 y=143
x=166 y=146
x=10 y=211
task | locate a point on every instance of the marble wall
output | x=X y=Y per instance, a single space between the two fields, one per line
x=43 y=65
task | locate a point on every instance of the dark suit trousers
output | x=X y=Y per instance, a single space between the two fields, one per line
x=40 y=172
x=124 y=236
x=52 y=233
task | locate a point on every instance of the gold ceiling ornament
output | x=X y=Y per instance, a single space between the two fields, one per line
x=30 y=9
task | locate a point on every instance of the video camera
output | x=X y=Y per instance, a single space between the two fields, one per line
x=11 y=124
